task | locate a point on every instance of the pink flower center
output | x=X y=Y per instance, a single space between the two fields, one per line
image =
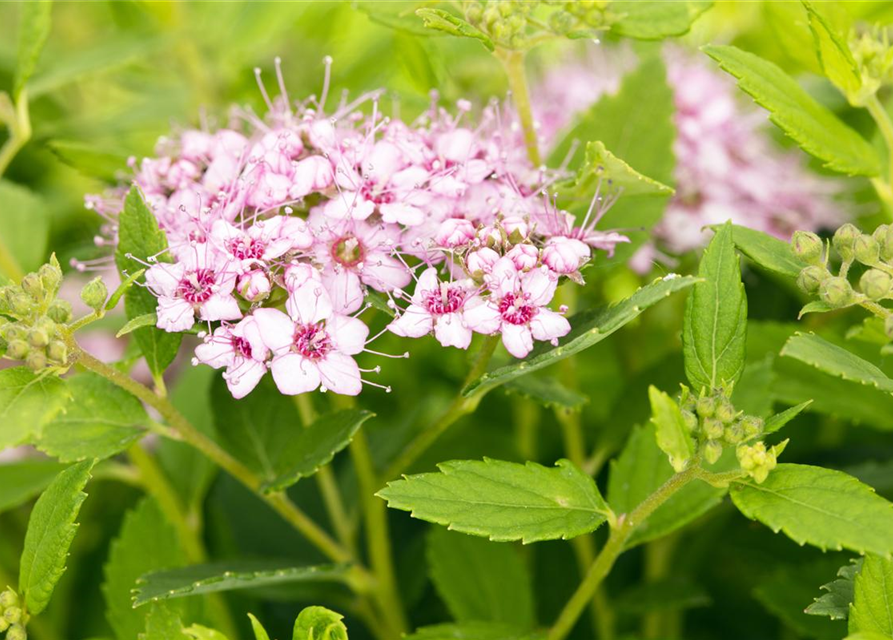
x=348 y=251
x=378 y=197
x=246 y=248
x=241 y=346
x=448 y=299
x=195 y=287
x=312 y=341
x=515 y=309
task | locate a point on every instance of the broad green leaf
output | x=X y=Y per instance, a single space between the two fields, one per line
x=785 y=590
x=836 y=602
x=669 y=429
x=315 y=446
x=24 y=228
x=198 y=632
x=639 y=470
x=21 y=481
x=146 y=542
x=34 y=28
x=207 y=578
x=87 y=158
x=872 y=608
x=548 y=391
x=473 y=631
x=821 y=354
x=319 y=623
x=503 y=500
x=809 y=124
x=779 y=420
x=867 y=635
x=259 y=632
x=27 y=402
x=480 y=580
x=587 y=329
x=822 y=507
x=830 y=33
x=766 y=251
x=51 y=529
x=145 y=320
x=716 y=318
x=440 y=20
x=99 y=421
x=655 y=20
x=163 y=623
x=603 y=169
x=673 y=594
x=140 y=238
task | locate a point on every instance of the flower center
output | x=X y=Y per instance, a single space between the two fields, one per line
x=448 y=300
x=241 y=346
x=514 y=309
x=348 y=251
x=312 y=341
x=246 y=248
x=195 y=287
x=369 y=192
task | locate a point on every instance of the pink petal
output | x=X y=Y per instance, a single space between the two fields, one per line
x=241 y=380
x=517 y=339
x=540 y=285
x=548 y=325
x=340 y=373
x=384 y=273
x=276 y=329
x=402 y=213
x=309 y=302
x=294 y=374
x=451 y=331
x=348 y=334
x=174 y=315
x=220 y=306
x=216 y=351
x=482 y=316
x=164 y=278
x=414 y=322
x=345 y=291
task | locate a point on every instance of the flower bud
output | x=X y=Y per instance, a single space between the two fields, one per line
x=13 y=615
x=22 y=304
x=4 y=625
x=844 y=241
x=254 y=286
x=691 y=421
x=18 y=349
x=57 y=352
x=38 y=338
x=706 y=406
x=712 y=451
x=725 y=411
x=13 y=331
x=95 y=293
x=734 y=433
x=713 y=428
x=36 y=360
x=807 y=246
x=51 y=275
x=888 y=327
x=866 y=249
x=59 y=311
x=875 y=283
x=752 y=425
x=811 y=278
x=836 y=292
x=9 y=598
x=884 y=235
x=46 y=325
x=32 y=285
x=16 y=632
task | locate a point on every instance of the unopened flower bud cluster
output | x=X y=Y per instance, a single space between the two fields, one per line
x=12 y=616
x=873 y=56
x=511 y=24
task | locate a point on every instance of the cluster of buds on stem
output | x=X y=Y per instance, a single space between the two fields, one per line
x=873 y=56
x=714 y=423
x=12 y=616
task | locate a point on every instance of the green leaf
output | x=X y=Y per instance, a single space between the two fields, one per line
x=27 y=402
x=816 y=306
x=787 y=587
x=867 y=635
x=34 y=28
x=473 y=631
x=655 y=20
x=105 y=164
x=809 y=124
x=397 y=15
x=207 y=578
x=99 y=421
x=198 y=632
x=145 y=320
x=822 y=507
x=639 y=470
x=549 y=392
x=163 y=623
x=21 y=481
x=670 y=432
x=51 y=529
x=503 y=500
x=602 y=168
x=872 y=608
x=836 y=602
x=24 y=228
x=319 y=623
x=140 y=238
x=259 y=632
x=121 y=290
x=146 y=542
x=315 y=446
x=716 y=318
x=830 y=34
x=440 y=20
x=480 y=580
x=766 y=251
x=779 y=420
x=587 y=329
x=821 y=354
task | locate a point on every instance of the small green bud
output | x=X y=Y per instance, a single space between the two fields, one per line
x=713 y=428
x=811 y=278
x=725 y=411
x=884 y=235
x=4 y=625
x=752 y=425
x=51 y=276
x=18 y=349
x=13 y=615
x=706 y=406
x=691 y=421
x=844 y=240
x=807 y=246
x=473 y=14
x=13 y=331
x=95 y=293
x=836 y=292
x=16 y=632
x=866 y=249
x=46 y=324
x=38 y=338
x=32 y=285
x=875 y=283
x=22 y=304
x=36 y=361
x=60 y=311
x=9 y=598
x=734 y=433
x=712 y=451
x=57 y=352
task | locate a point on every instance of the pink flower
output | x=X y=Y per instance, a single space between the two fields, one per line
x=565 y=255
x=312 y=346
x=516 y=308
x=454 y=232
x=240 y=349
x=262 y=242
x=437 y=306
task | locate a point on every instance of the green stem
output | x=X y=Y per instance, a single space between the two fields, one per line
x=278 y=501
x=885 y=126
x=602 y=565
x=19 y=132
x=658 y=556
x=513 y=63
x=458 y=408
x=378 y=537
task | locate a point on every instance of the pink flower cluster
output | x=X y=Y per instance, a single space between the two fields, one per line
x=727 y=166
x=279 y=228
